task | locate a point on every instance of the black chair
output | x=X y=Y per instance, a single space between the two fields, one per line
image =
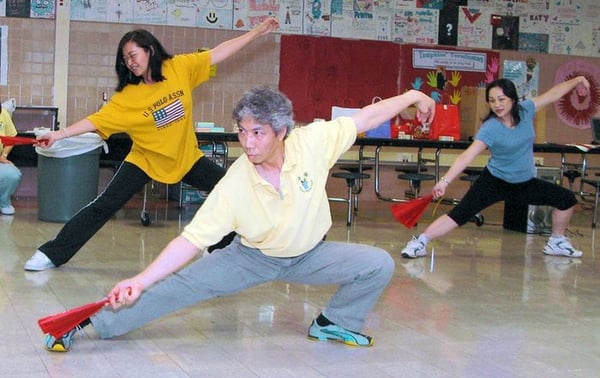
x=595 y=184
x=354 y=184
x=356 y=168
x=571 y=175
x=413 y=173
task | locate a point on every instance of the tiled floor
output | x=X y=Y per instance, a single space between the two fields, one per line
x=489 y=304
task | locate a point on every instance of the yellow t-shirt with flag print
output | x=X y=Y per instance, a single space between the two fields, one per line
x=159 y=118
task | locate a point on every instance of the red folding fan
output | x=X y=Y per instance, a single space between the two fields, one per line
x=61 y=323
x=14 y=140
x=409 y=212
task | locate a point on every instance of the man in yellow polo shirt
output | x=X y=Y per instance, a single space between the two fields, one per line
x=274 y=198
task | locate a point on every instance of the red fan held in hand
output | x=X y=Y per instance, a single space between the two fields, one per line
x=14 y=140
x=408 y=213
x=59 y=324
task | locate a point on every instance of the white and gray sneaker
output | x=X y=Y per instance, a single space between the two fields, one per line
x=414 y=248
x=561 y=247
x=38 y=262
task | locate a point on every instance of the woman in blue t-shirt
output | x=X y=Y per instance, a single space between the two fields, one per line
x=508 y=133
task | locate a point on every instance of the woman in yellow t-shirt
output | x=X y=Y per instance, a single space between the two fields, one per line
x=153 y=105
x=10 y=176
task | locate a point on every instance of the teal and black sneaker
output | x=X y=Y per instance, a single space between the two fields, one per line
x=62 y=344
x=336 y=333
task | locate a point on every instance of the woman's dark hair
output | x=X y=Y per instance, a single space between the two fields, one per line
x=149 y=43
x=510 y=90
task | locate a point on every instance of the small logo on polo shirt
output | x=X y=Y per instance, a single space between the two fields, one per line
x=306 y=184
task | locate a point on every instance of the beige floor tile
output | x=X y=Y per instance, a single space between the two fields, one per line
x=488 y=304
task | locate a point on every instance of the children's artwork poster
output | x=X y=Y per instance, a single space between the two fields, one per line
x=448 y=24
x=3 y=55
x=290 y=16
x=400 y=4
x=18 y=8
x=216 y=14
x=525 y=75
x=574 y=110
x=516 y=7
x=474 y=29
x=362 y=19
x=533 y=42
x=181 y=12
x=88 y=10
x=249 y=13
x=580 y=40
x=117 y=11
x=559 y=37
x=433 y=4
x=536 y=23
x=588 y=11
x=149 y=12
x=416 y=26
x=505 y=32
x=317 y=16
x=537 y=6
x=43 y=9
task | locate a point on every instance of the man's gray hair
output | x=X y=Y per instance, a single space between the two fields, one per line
x=267 y=107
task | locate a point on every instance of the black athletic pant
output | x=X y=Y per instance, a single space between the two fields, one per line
x=127 y=181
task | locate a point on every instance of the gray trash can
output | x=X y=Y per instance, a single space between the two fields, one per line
x=65 y=185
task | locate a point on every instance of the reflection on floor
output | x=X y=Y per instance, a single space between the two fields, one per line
x=489 y=304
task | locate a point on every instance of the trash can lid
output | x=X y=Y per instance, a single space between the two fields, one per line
x=75 y=145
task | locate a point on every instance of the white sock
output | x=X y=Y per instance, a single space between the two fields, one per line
x=423 y=239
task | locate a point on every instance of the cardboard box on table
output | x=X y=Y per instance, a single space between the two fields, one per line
x=473 y=108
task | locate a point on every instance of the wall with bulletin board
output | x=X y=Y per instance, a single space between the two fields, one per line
x=566 y=27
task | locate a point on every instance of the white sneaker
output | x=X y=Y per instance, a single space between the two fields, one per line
x=414 y=248
x=561 y=247
x=38 y=262
x=8 y=210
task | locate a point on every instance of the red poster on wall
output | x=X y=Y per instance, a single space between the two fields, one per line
x=317 y=73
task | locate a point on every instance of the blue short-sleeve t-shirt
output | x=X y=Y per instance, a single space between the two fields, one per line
x=511 y=149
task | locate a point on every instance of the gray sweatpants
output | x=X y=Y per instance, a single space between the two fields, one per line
x=361 y=271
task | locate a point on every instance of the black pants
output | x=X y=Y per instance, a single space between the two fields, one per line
x=487 y=190
x=127 y=181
